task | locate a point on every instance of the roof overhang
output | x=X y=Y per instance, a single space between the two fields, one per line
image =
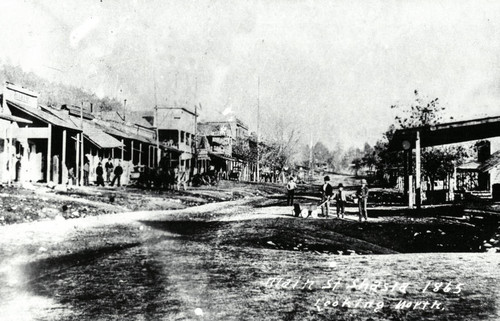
x=15 y=119
x=221 y=156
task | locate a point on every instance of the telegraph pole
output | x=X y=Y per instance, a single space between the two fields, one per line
x=82 y=154
x=124 y=108
x=311 y=169
x=258 y=127
x=158 y=154
x=195 y=140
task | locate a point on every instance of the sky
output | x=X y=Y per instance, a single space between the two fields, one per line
x=329 y=69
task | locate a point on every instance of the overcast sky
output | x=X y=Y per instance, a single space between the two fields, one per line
x=332 y=68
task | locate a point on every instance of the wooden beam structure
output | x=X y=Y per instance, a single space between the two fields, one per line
x=447 y=133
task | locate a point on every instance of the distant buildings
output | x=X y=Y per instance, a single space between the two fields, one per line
x=231 y=149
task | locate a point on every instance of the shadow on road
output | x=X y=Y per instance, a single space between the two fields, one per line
x=184 y=227
x=46 y=267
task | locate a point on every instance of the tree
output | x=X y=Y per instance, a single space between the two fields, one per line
x=436 y=161
x=357 y=164
x=243 y=149
x=419 y=113
x=280 y=148
x=349 y=156
x=321 y=153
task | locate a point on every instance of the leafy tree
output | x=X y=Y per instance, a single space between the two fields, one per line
x=244 y=148
x=321 y=153
x=357 y=164
x=419 y=113
x=349 y=156
x=437 y=162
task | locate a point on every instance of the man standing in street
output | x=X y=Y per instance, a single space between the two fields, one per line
x=362 y=195
x=181 y=179
x=86 y=171
x=340 y=199
x=109 y=169
x=118 y=173
x=290 y=188
x=327 y=193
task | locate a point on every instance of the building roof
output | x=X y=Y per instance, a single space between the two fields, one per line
x=131 y=118
x=21 y=89
x=96 y=135
x=44 y=116
x=492 y=162
x=121 y=130
x=222 y=156
x=469 y=166
x=179 y=107
x=78 y=111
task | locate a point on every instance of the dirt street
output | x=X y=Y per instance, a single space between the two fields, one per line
x=245 y=259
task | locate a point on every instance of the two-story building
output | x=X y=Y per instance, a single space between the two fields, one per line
x=176 y=134
x=225 y=139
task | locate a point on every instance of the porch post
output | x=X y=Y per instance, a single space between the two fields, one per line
x=49 y=151
x=132 y=151
x=77 y=160
x=405 y=167
x=82 y=159
x=149 y=156
x=411 y=190
x=140 y=153
x=9 y=156
x=418 y=200
x=63 y=158
x=4 y=174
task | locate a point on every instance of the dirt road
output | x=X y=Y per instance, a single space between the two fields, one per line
x=224 y=261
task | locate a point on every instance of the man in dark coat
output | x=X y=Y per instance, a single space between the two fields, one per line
x=326 y=193
x=99 y=172
x=118 y=173
x=340 y=199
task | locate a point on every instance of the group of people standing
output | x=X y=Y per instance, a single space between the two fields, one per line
x=340 y=197
x=110 y=170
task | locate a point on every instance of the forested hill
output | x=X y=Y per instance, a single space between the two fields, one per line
x=55 y=94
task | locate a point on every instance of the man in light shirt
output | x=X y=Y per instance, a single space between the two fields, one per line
x=290 y=188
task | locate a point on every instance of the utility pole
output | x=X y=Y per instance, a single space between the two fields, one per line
x=82 y=154
x=311 y=165
x=258 y=128
x=195 y=140
x=124 y=108
x=158 y=154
